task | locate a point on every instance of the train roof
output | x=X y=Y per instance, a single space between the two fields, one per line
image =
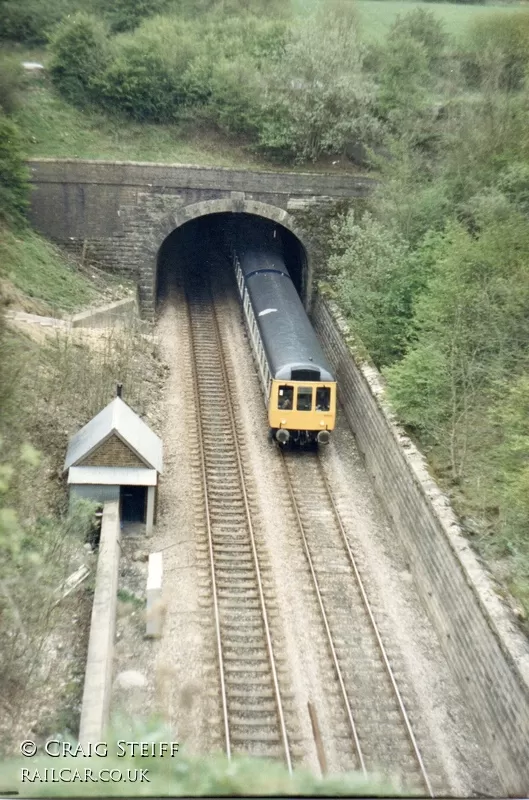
x=287 y=335
x=252 y=260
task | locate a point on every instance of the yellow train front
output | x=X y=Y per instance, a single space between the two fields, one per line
x=302 y=411
x=298 y=385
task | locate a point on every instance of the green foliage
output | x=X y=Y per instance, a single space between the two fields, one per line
x=138 y=83
x=498 y=50
x=473 y=317
x=424 y=27
x=30 y=21
x=12 y=83
x=125 y=15
x=511 y=415
x=319 y=98
x=409 y=199
x=514 y=183
x=403 y=77
x=376 y=280
x=80 y=51
x=14 y=187
x=235 y=91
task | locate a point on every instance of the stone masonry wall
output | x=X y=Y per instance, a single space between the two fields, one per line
x=487 y=654
x=117 y=214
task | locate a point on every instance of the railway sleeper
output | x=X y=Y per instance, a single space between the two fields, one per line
x=264 y=737
x=268 y=721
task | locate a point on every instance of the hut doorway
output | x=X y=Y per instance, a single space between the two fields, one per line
x=133 y=503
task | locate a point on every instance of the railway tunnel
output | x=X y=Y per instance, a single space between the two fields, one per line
x=204 y=241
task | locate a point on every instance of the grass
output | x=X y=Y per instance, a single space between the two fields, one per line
x=40 y=271
x=377 y=16
x=52 y=128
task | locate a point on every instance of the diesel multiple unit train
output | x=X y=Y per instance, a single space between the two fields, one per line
x=298 y=385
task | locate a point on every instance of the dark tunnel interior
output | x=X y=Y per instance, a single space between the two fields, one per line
x=204 y=241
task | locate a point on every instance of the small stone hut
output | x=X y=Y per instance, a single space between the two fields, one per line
x=116 y=456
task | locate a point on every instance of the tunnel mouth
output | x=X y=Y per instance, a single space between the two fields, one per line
x=202 y=243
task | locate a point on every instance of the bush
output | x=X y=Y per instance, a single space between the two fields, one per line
x=473 y=318
x=514 y=183
x=424 y=27
x=234 y=102
x=497 y=51
x=125 y=15
x=80 y=52
x=512 y=417
x=138 y=83
x=30 y=21
x=14 y=186
x=403 y=78
x=318 y=98
x=376 y=281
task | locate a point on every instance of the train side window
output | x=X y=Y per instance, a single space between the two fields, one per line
x=285 y=398
x=323 y=399
x=305 y=398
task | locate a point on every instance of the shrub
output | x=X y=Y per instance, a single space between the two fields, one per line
x=403 y=77
x=514 y=183
x=473 y=317
x=235 y=96
x=137 y=82
x=318 y=97
x=497 y=50
x=125 y=15
x=424 y=27
x=512 y=417
x=14 y=186
x=80 y=52
x=376 y=282
x=30 y=21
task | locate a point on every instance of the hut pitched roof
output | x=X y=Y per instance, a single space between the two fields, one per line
x=119 y=419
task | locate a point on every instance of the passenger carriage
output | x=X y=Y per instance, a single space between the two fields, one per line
x=298 y=385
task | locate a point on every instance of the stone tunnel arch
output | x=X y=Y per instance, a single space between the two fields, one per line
x=237 y=203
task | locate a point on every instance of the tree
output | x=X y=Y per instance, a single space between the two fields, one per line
x=376 y=280
x=319 y=98
x=470 y=329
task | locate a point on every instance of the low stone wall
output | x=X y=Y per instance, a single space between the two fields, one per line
x=98 y=675
x=106 y=316
x=487 y=654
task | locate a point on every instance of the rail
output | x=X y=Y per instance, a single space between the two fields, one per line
x=205 y=326
x=353 y=722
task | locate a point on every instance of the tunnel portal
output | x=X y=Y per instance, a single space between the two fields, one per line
x=190 y=245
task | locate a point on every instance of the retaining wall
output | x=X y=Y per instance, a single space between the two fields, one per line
x=487 y=654
x=105 y=316
x=98 y=675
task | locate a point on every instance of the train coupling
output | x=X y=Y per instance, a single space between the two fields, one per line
x=323 y=437
x=282 y=436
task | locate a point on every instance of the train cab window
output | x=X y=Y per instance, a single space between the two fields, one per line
x=305 y=398
x=323 y=399
x=285 y=399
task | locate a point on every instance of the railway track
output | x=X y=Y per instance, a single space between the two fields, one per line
x=252 y=706
x=380 y=734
